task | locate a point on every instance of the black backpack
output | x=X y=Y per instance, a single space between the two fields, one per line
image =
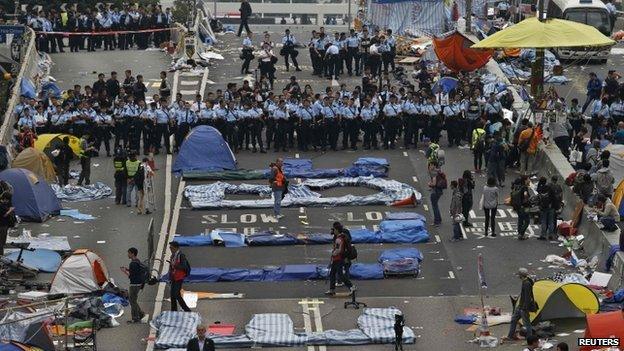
x=350 y=249
x=517 y=197
x=144 y=272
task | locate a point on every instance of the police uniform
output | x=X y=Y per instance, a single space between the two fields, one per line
x=472 y=111
x=391 y=42
x=353 y=46
x=247 y=54
x=330 y=127
x=306 y=117
x=617 y=112
x=289 y=50
x=269 y=107
x=332 y=61
x=493 y=110
x=434 y=121
x=148 y=118
x=161 y=131
x=454 y=128
x=185 y=119
x=320 y=48
x=351 y=126
x=103 y=122
x=243 y=128
x=135 y=126
x=256 y=125
x=230 y=117
x=314 y=56
x=280 y=114
x=392 y=113
x=365 y=43
x=292 y=106
x=121 y=177
x=410 y=122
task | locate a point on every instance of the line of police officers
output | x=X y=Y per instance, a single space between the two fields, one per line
x=102 y=19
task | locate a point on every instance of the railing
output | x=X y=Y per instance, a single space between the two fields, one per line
x=30 y=70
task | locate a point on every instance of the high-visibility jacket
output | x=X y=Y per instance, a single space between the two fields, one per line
x=132 y=167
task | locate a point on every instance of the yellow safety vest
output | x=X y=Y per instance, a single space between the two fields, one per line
x=132 y=167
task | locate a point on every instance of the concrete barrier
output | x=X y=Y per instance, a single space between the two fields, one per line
x=550 y=161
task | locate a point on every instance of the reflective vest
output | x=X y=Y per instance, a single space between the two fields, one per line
x=119 y=165
x=279 y=178
x=132 y=167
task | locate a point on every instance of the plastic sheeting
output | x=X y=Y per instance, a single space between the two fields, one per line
x=421 y=17
x=56 y=243
x=76 y=214
x=455 y=52
x=44 y=260
x=400 y=253
x=212 y=196
x=378 y=325
x=90 y=192
x=404 y=231
x=175 y=329
x=14 y=325
x=405 y=215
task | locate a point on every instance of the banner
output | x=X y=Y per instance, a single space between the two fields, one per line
x=422 y=17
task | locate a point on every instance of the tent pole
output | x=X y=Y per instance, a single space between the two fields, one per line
x=66 y=323
x=468 y=16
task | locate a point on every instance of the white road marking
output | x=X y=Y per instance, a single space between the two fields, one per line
x=301 y=209
x=189 y=74
x=296 y=155
x=437 y=237
x=159 y=264
x=451 y=275
x=317 y=322
x=461 y=225
x=617 y=51
x=405 y=153
x=415 y=179
x=101 y=241
x=188 y=92
x=189 y=82
x=426 y=207
x=307 y=321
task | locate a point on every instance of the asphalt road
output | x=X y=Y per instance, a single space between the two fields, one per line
x=448 y=281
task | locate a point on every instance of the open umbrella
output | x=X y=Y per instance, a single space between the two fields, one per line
x=551 y=33
x=445 y=84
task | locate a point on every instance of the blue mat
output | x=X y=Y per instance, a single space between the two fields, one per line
x=400 y=254
x=403 y=231
x=271 y=239
x=405 y=215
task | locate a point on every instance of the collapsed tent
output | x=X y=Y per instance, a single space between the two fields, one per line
x=374 y=326
x=300 y=168
x=562 y=300
x=89 y=192
x=455 y=52
x=204 y=150
x=212 y=196
x=33 y=198
x=50 y=142
x=415 y=17
x=604 y=325
x=82 y=272
x=43 y=260
x=37 y=162
x=26 y=327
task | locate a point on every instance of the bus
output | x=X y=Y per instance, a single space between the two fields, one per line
x=591 y=12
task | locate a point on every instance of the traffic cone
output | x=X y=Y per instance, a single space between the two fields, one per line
x=410 y=201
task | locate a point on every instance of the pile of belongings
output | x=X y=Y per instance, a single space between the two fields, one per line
x=374 y=326
x=90 y=192
x=408 y=46
x=212 y=196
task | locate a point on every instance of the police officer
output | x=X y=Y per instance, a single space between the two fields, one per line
x=392 y=114
x=163 y=120
x=332 y=60
x=351 y=127
x=432 y=109
x=149 y=125
x=391 y=42
x=321 y=50
x=411 y=108
x=314 y=55
x=365 y=43
x=493 y=108
x=453 y=118
x=331 y=123
x=472 y=113
x=267 y=63
x=289 y=50
x=247 y=54
x=269 y=106
x=257 y=124
x=103 y=126
x=185 y=119
x=368 y=113
x=306 y=115
x=281 y=115
x=617 y=112
x=353 y=47
x=243 y=125
x=229 y=115
x=134 y=114
x=206 y=115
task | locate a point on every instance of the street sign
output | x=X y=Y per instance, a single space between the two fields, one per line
x=15 y=30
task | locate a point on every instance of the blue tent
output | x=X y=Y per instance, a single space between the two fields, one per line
x=33 y=198
x=204 y=150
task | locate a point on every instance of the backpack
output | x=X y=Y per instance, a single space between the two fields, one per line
x=604 y=183
x=350 y=251
x=144 y=272
x=517 y=197
x=441 y=182
x=186 y=266
x=524 y=145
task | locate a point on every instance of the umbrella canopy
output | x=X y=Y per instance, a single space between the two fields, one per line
x=552 y=33
x=454 y=50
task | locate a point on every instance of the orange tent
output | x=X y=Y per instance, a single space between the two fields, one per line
x=455 y=52
x=604 y=325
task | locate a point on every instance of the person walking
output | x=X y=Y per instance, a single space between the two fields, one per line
x=547 y=210
x=466 y=186
x=245 y=13
x=337 y=230
x=179 y=268
x=437 y=185
x=489 y=203
x=524 y=305
x=135 y=273
x=85 y=159
x=247 y=54
x=520 y=203
x=456 y=211
x=7 y=213
x=337 y=266
x=527 y=145
x=594 y=90
x=279 y=186
x=121 y=176
x=62 y=161
x=200 y=342
x=477 y=145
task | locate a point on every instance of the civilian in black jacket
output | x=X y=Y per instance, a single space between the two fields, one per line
x=524 y=305
x=200 y=342
x=112 y=86
x=134 y=273
x=245 y=12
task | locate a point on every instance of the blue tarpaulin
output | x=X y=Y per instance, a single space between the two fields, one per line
x=405 y=215
x=33 y=198
x=194 y=240
x=204 y=150
x=271 y=239
x=227 y=239
x=400 y=253
x=44 y=260
x=404 y=231
x=27 y=89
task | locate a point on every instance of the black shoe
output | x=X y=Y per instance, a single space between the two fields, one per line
x=254 y=150
x=493 y=235
x=543 y=238
x=248 y=72
x=297 y=69
x=468 y=224
x=521 y=237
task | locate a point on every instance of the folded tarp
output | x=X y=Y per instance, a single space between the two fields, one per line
x=400 y=254
x=212 y=196
x=401 y=261
x=358 y=271
x=404 y=231
x=77 y=215
x=271 y=239
x=273 y=329
x=316 y=238
x=392 y=216
x=44 y=260
x=227 y=239
x=301 y=168
x=82 y=193
x=175 y=329
x=194 y=240
x=56 y=243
